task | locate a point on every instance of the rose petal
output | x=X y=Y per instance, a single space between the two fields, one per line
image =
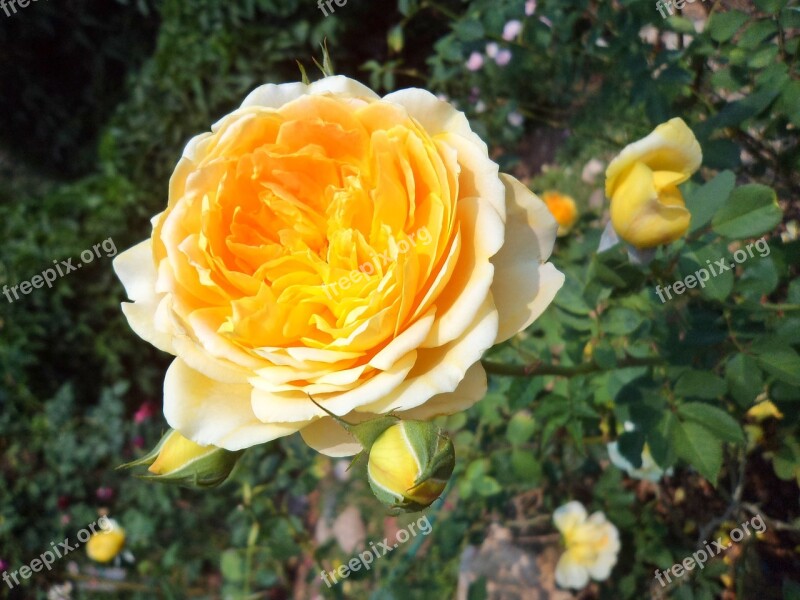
x=210 y=412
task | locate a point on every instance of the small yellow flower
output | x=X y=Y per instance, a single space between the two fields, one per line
x=764 y=410
x=104 y=545
x=647 y=209
x=563 y=209
x=592 y=545
x=410 y=464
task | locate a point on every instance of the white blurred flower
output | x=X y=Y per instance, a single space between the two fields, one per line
x=512 y=29
x=491 y=49
x=546 y=21
x=591 y=170
x=480 y=106
x=591 y=546
x=475 y=61
x=503 y=57
x=515 y=119
x=649 y=470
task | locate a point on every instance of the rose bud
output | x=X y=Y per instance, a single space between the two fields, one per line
x=408 y=462
x=647 y=208
x=179 y=460
x=409 y=465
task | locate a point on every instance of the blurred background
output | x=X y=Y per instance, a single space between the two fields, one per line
x=98 y=99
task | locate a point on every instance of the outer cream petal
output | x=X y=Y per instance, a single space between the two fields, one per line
x=210 y=412
x=137 y=272
x=270 y=406
x=523 y=287
x=568 y=516
x=600 y=569
x=672 y=146
x=479 y=174
x=440 y=370
x=472 y=277
x=272 y=95
x=435 y=115
x=471 y=389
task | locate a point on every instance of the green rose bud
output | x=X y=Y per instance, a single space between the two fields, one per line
x=181 y=461
x=409 y=465
x=408 y=462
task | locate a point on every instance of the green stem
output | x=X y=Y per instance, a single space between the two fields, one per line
x=564 y=371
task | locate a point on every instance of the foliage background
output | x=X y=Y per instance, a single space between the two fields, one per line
x=99 y=98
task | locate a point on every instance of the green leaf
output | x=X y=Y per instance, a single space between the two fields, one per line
x=722 y=26
x=771 y=6
x=631 y=446
x=781 y=363
x=700 y=384
x=395 y=38
x=704 y=201
x=744 y=378
x=487 y=486
x=520 y=428
x=756 y=34
x=526 y=467
x=699 y=447
x=621 y=321
x=714 y=419
x=751 y=211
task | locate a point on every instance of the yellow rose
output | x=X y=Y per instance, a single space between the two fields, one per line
x=323 y=240
x=563 y=209
x=591 y=546
x=104 y=546
x=647 y=209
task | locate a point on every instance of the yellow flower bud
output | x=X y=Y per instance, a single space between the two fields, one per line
x=563 y=209
x=179 y=460
x=764 y=410
x=104 y=545
x=410 y=464
x=647 y=209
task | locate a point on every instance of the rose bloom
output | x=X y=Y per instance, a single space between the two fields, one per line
x=647 y=208
x=323 y=240
x=591 y=546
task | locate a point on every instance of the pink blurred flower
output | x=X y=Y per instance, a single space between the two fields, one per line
x=65 y=519
x=492 y=49
x=530 y=7
x=475 y=61
x=546 y=21
x=3 y=565
x=503 y=57
x=104 y=493
x=512 y=29
x=138 y=441
x=145 y=411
